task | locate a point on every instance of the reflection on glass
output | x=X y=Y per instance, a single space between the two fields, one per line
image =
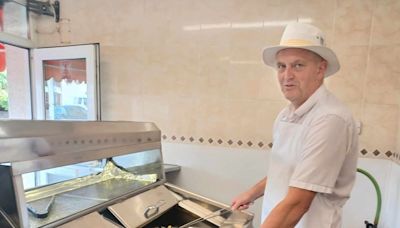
x=56 y=193
x=145 y=165
x=134 y=161
x=65 y=89
x=60 y=174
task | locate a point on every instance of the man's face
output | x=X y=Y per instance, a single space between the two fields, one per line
x=300 y=74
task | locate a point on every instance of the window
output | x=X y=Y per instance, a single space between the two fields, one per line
x=66 y=83
x=65 y=89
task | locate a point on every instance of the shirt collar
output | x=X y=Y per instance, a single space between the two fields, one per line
x=306 y=106
x=311 y=101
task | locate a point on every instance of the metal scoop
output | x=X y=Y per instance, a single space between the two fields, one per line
x=216 y=213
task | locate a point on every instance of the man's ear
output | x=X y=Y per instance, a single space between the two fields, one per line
x=322 y=66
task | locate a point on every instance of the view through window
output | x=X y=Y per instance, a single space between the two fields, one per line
x=3 y=84
x=65 y=89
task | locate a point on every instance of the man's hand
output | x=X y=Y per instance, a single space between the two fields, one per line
x=290 y=210
x=244 y=200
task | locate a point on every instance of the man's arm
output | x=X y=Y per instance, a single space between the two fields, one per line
x=290 y=210
x=243 y=200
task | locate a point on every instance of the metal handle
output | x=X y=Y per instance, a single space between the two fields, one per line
x=153 y=209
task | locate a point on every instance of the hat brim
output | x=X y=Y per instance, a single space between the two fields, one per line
x=269 y=56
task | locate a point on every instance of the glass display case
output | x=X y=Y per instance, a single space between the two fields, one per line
x=56 y=171
x=108 y=173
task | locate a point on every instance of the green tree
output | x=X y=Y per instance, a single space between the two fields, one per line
x=3 y=91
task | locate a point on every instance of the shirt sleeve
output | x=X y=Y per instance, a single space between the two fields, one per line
x=322 y=155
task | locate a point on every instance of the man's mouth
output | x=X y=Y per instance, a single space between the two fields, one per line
x=288 y=85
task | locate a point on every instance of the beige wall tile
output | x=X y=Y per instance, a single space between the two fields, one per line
x=214 y=62
x=157 y=109
x=123 y=104
x=211 y=120
x=181 y=71
x=382 y=81
x=256 y=39
x=345 y=90
x=182 y=111
x=397 y=148
x=245 y=80
x=247 y=43
x=195 y=68
x=398 y=130
x=380 y=127
x=216 y=12
x=356 y=110
x=269 y=85
x=348 y=83
x=353 y=62
x=254 y=10
x=386 y=23
x=186 y=13
x=157 y=83
x=92 y=25
x=213 y=86
x=237 y=119
x=353 y=28
x=125 y=76
x=321 y=14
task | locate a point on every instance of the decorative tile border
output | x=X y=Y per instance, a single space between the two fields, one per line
x=388 y=155
x=396 y=158
x=217 y=141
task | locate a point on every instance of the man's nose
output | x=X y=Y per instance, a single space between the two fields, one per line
x=288 y=73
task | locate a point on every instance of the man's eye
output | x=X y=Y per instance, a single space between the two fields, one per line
x=280 y=66
x=298 y=65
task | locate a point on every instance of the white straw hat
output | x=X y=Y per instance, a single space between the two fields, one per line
x=304 y=36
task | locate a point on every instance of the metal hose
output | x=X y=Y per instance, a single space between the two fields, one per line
x=378 y=194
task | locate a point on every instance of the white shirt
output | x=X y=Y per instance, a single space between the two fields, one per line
x=314 y=148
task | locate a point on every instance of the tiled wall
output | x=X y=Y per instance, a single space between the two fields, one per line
x=194 y=67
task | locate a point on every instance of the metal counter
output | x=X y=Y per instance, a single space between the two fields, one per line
x=72 y=174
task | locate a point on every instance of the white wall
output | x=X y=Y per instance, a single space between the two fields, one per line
x=362 y=204
x=217 y=172
x=221 y=173
x=393 y=208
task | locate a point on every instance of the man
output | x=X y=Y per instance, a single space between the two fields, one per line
x=313 y=159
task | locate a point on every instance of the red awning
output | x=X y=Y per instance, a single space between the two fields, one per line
x=71 y=69
x=2 y=58
x=2 y=49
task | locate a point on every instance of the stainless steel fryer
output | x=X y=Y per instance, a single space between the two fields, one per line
x=97 y=174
